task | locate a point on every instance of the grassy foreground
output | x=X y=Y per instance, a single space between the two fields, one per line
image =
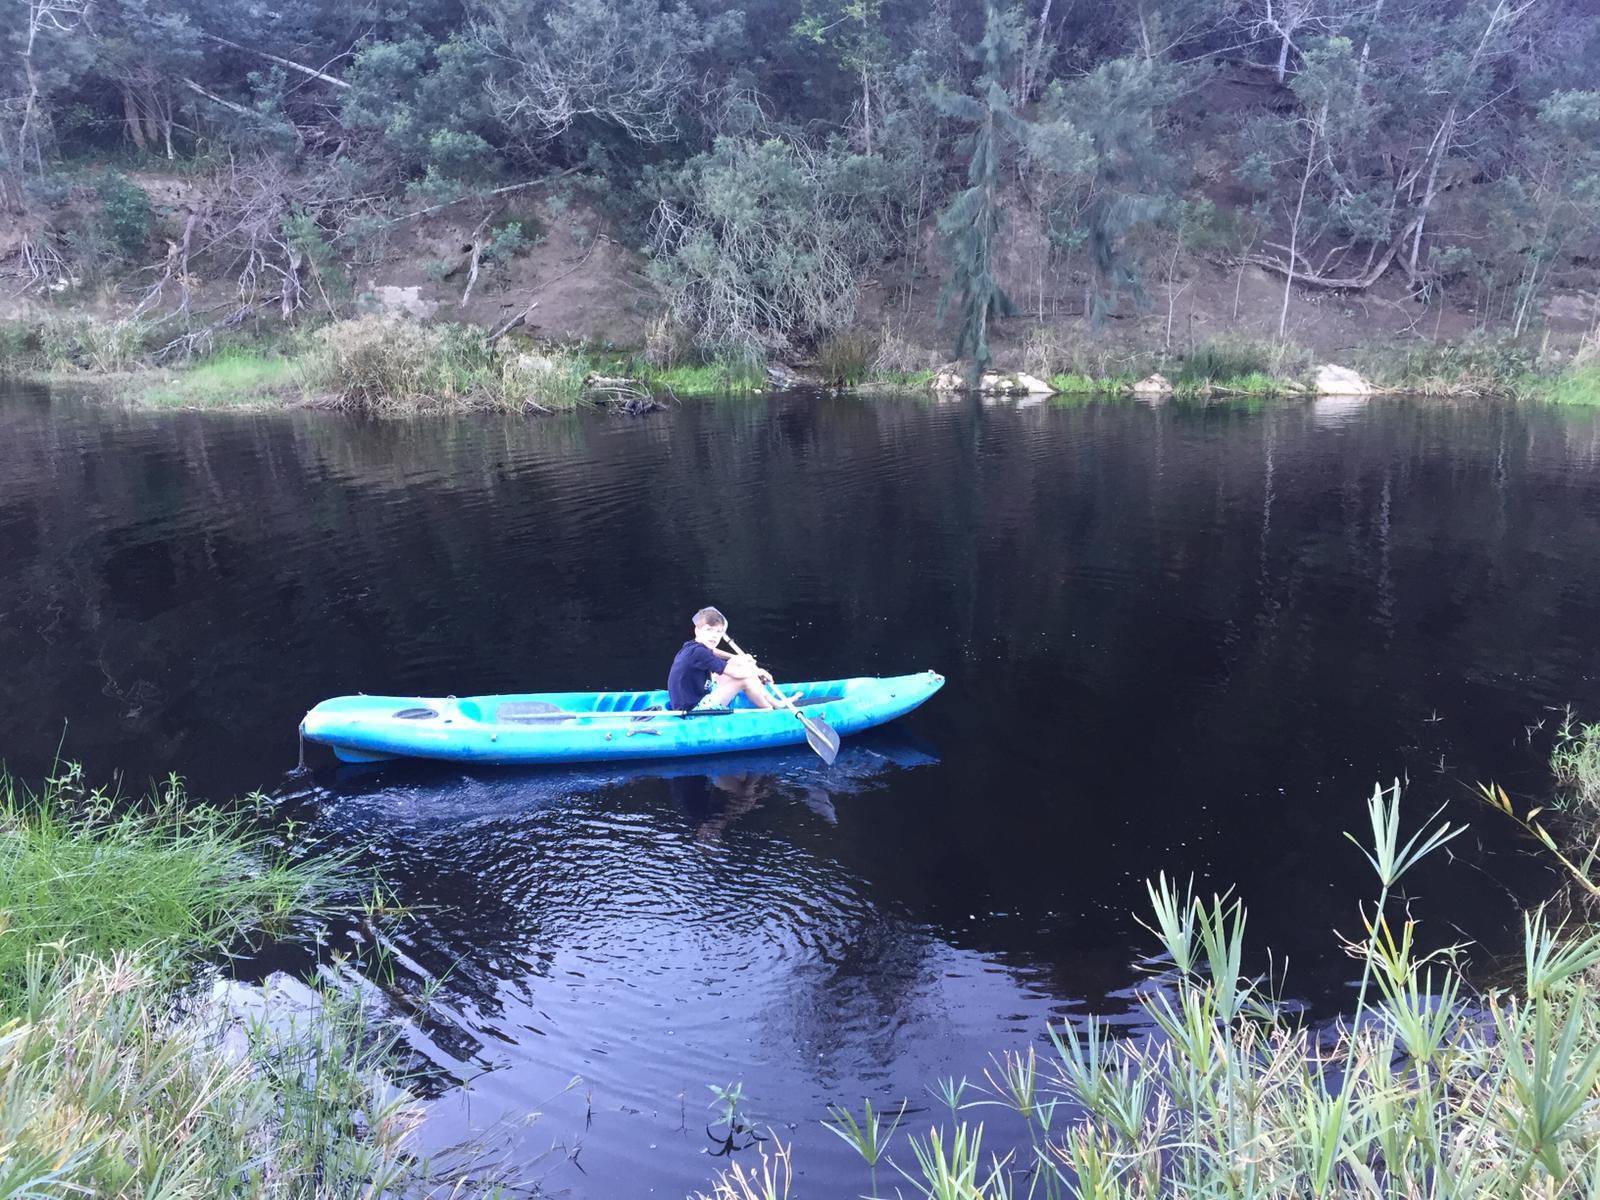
x=1429 y=1090
x=115 y=1082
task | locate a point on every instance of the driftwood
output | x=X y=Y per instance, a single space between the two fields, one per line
x=282 y=62
x=499 y=331
x=1351 y=283
x=475 y=259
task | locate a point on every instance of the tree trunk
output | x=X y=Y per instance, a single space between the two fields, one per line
x=1294 y=229
x=866 y=106
x=1446 y=134
x=1283 y=58
x=130 y=116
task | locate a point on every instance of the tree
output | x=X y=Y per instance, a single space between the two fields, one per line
x=148 y=50
x=1292 y=21
x=1109 y=170
x=622 y=62
x=971 y=224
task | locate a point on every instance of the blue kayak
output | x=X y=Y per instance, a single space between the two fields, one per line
x=558 y=727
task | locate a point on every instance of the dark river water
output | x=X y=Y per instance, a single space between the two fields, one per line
x=1177 y=638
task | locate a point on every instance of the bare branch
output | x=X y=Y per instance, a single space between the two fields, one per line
x=282 y=62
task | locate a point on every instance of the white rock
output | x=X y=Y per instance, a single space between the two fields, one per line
x=406 y=300
x=1153 y=385
x=1340 y=381
x=1033 y=385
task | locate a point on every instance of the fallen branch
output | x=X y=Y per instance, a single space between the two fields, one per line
x=1357 y=283
x=499 y=191
x=477 y=254
x=216 y=99
x=501 y=330
x=282 y=62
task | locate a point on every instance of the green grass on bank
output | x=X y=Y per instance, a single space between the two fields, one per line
x=118 y=1081
x=1579 y=387
x=733 y=377
x=233 y=378
x=166 y=877
x=1075 y=383
x=388 y=366
x=105 y=1093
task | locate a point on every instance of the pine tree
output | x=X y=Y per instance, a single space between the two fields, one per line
x=971 y=224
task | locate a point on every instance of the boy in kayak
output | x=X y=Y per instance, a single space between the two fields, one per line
x=704 y=676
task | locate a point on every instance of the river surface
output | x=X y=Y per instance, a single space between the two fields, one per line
x=1177 y=638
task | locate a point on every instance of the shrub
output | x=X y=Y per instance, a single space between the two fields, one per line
x=383 y=365
x=125 y=215
x=759 y=243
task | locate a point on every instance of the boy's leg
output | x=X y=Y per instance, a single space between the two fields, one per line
x=757 y=691
x=723 y=689
x=745 y=680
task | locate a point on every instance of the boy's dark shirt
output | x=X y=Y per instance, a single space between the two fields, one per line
x=691 y=671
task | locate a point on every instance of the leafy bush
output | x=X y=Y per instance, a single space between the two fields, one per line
x=759 y=243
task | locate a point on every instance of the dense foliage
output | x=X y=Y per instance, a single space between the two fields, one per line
x=770 y=155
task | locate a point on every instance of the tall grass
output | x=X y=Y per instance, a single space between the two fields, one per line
x=386 y=366
x=1424 y=1091
x=169 y=877
x=1240 y=368
x=1449 y=369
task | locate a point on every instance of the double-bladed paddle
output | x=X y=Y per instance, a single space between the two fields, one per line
x=820 y=736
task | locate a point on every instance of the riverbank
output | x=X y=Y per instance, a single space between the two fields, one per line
x=119 y=1075
x=1429 y=1087
x=389 y=366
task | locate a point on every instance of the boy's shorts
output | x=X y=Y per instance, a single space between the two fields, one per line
x=705 y=701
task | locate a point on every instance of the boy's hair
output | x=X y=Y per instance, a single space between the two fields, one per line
x=709 y=616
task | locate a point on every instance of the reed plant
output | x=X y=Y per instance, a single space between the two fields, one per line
x=1575 y=760
x=1425 y=1089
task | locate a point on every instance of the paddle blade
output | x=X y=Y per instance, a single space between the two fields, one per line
x=821 y=737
